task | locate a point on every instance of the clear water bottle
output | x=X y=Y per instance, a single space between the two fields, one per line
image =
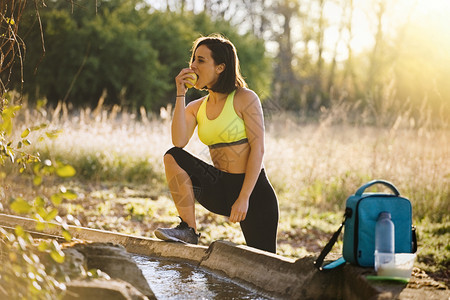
x=384 y=241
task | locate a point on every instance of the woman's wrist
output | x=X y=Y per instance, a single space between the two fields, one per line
x=243 y=196
x=180 y=96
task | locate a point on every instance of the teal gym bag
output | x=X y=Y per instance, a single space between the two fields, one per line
x=361 y=214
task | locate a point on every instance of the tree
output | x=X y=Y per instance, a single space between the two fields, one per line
x=11 y=45
x=22 y=274
x=90 y=52
x=124 y=48
x=286 y=85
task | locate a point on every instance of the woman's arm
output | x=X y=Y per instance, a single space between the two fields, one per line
x=184 y=120
x=252 y=115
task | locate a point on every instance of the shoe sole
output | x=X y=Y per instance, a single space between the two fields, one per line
x=162 y=236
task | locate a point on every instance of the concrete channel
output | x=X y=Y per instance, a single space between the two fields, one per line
x=275 y=276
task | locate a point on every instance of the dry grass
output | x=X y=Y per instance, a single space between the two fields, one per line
x=318 y=164
x=323 y=164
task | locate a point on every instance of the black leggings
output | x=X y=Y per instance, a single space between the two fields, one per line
x=217 y=191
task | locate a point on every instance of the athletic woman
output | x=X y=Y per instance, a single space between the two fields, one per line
x=230 y=122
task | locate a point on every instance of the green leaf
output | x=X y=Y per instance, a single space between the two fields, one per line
x=21 y=206
x=69 y=195
x=48 y=170
x=40 y=226
x=51 y=215
x=93 y=273
x=19 y=231
x=37 y=180
x=65 y=171
x=37 y=169
x=7 y=115
x=43 y=245
x=41 y=103
x=56 y=253
x=25 y=133
x=39 y=201
x=6 y=126
x=56 y=199
x=53 y=134
x=66 y=234
x=42 y=212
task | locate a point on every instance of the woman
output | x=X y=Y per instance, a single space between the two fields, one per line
x=230 y=122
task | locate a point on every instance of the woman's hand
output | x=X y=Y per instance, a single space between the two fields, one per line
x=182 y=79
x=239 y=210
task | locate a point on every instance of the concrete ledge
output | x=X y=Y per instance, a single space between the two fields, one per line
x=152 y=247
x=275 y=275
x=133 y=244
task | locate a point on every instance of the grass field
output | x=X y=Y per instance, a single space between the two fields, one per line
x=313 y=166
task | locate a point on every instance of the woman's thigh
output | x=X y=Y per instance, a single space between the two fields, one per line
x=214 y=189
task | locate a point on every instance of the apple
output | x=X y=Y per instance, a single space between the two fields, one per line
x=191 y=80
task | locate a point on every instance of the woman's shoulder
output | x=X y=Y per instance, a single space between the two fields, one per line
x=245 y=92
x=246 y=96
x=194 y=105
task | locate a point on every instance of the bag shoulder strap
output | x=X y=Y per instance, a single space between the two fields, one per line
x=414 y=239
x=319 y=261
x=361 y=190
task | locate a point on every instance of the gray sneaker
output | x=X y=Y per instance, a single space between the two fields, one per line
x=182 y=233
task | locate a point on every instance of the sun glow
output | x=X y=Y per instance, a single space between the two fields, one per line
x=423 y=15
x=434 y=13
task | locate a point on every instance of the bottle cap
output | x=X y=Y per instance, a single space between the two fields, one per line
x=384 y=215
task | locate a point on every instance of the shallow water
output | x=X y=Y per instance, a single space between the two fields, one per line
x=180 y=280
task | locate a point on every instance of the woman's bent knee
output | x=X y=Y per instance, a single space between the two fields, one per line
x=169 y=156
x=173 y=158
x=169 y=159
x=172 y=154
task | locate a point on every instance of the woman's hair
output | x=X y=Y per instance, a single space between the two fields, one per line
x=223 y=52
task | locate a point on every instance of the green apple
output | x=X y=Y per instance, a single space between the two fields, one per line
x=191 y=80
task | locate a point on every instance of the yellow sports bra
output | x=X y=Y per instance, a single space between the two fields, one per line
x=225 y=130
